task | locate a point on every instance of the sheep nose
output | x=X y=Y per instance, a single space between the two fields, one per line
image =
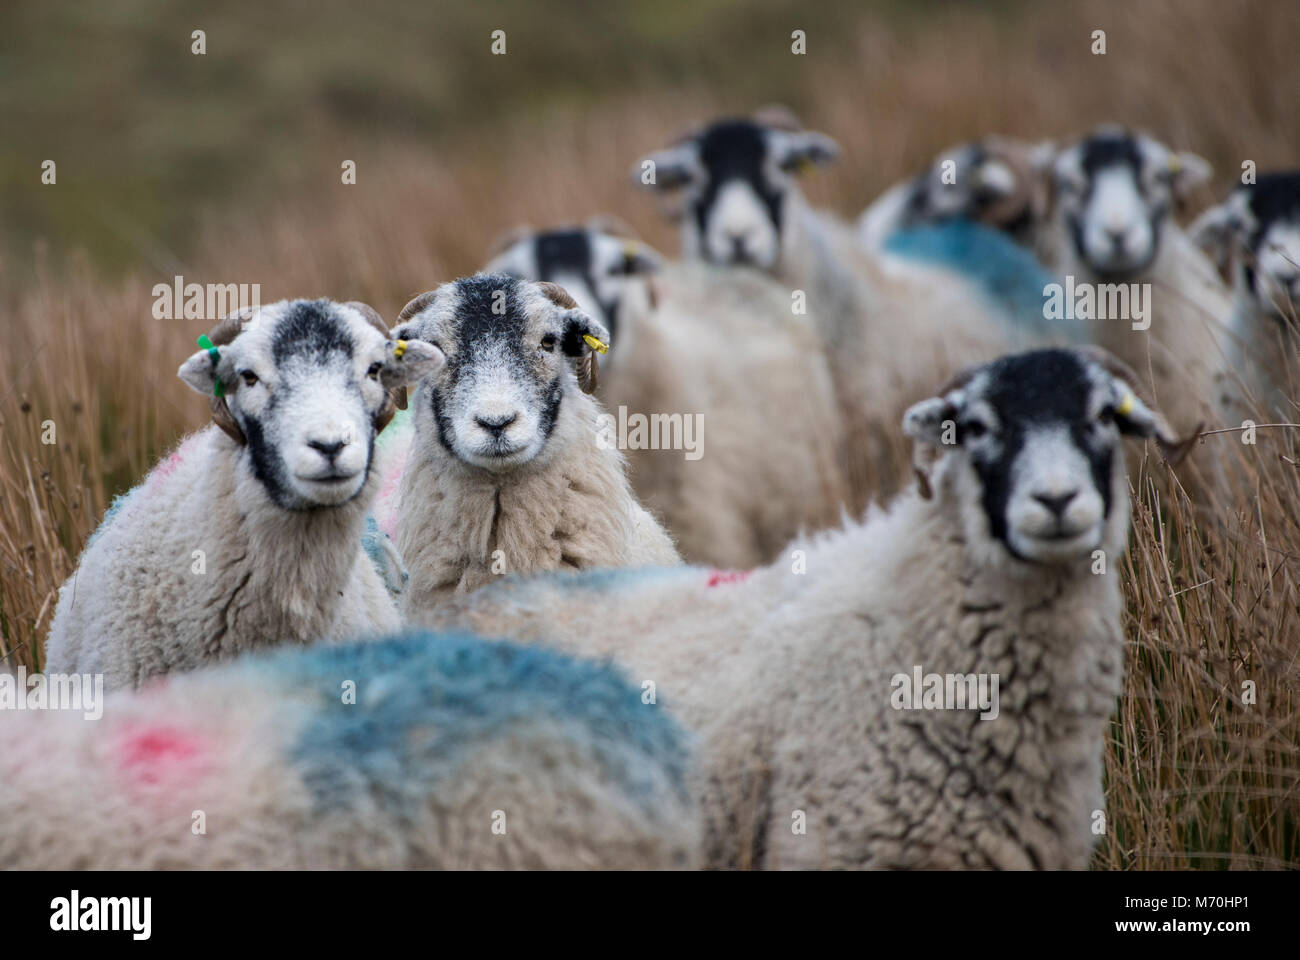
x=496 y=425
x=738 y=251
x=1056 y=502
x=328 y=450
x=1116 y=235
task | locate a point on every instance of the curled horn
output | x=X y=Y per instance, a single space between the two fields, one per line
x=220 y=335
x=586 y=367
x=394 y=399
x=1171 y=446
x=416 y=305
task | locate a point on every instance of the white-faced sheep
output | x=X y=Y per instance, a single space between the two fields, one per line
x=1112 y=236
x=885 y=334
x=249 y=534
x=696 y=343
x=795 y=677
x=415 y=751
x=1254 y=235
x=510 y=469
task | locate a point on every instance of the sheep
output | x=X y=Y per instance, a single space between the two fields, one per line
x=1255 y=236
x=411 y=751
x=1111 y=232
x=996 y=181
x=1001 y=564
x=249 y=533
x=691 y=339
x=510 y=469
x=972 y=214
x=885 y=334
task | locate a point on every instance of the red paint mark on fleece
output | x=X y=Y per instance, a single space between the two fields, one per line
x=153 y=753
x=158 y=476
x=719 y=577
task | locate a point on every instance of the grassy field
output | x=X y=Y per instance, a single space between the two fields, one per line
x=226 y=168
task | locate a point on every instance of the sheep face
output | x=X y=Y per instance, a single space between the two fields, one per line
x=305 y=381
x=1115 y=191
x=1258 y=229
x=597 y=269
x=514 y=350
x=738 y=177
x=996 y=181
x=1030 y=449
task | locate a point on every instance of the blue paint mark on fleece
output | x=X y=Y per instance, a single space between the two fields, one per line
x=1008 y=275
x=426 y=701
x=602 y=578
x=384 y=557
x=114 y=508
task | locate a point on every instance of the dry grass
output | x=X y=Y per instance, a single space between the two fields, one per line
x=1194 y=777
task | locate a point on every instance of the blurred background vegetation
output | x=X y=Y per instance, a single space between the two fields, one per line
x=148 y=135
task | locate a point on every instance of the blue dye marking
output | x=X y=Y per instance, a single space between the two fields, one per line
x=1008 y=275
x=114 y=508
x=377 y=546
x=426 y=701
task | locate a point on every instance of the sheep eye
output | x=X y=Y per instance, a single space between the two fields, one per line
x=973 y=429
x=373 y=372
x=548 y=342
x=249 y=376
x=1106 y=416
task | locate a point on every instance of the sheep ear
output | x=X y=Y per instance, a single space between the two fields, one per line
x=1132 y=415
x=199 y=373
x=583 y=339
x=1135 y=418
x=1189 y=171
x=638 y=259
x=795 y=152
x=667 y=169
x=409 y=362
x=1215 y=231
x=924 y=421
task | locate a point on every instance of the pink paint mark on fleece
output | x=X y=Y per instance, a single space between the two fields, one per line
x=158 y=476
x=719 y=577
x=386 y=501
x=155 y=753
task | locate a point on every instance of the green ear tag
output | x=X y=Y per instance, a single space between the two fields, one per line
x=215 y=354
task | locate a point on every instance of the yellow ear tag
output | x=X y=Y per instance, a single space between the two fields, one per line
x=399 y=349
x=1175 y=164
x=598 y=345
x=1126 y=405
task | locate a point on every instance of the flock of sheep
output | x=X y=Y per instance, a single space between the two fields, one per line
x=567 y=693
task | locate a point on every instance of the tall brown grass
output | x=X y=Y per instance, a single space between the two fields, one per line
x=1195 y=778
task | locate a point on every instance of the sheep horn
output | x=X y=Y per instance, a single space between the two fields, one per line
x=223 y=333
x=394 y=399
